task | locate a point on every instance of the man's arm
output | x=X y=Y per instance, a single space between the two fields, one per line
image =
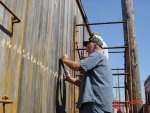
x=71 y=64
x=70 y=79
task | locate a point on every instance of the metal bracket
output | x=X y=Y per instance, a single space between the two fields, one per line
x=5 y=100
x=14 y=19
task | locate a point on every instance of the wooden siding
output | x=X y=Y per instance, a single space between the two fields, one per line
x=30 y=74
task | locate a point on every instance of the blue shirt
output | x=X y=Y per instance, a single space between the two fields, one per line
x=96 y=85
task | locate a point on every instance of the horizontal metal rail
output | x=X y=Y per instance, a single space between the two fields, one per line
x=119 y=102
x=120 y=74
x=113 y=74
x=119 y=87
x=114 y=47
x=118 y=69
x=101 y=23
x=116 y=52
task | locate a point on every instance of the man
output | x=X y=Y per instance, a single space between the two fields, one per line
x=95 y=94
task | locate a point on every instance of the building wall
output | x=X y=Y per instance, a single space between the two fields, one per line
x=147 y=95
x=30 y=74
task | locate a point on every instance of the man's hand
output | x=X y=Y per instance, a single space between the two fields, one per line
x=65 y=57
x=67 y=77
x=71 y=64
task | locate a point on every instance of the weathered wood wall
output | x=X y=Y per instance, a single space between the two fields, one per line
x=29 y=60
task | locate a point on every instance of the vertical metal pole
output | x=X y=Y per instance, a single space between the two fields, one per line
x=119 y=89
x=74 y=50
x=83 y=38
x=126 y=94
x=116 y=92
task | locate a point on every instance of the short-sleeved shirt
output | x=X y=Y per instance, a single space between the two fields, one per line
x=97 y=82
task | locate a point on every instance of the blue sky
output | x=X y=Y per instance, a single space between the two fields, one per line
x=110 y=10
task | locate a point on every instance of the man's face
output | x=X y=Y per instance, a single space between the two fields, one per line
x=90 y=48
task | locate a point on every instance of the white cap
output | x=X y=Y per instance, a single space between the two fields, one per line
x=105 y=51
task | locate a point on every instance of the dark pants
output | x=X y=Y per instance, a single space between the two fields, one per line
x=91 y=107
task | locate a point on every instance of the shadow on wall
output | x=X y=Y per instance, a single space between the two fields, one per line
x=60 y=93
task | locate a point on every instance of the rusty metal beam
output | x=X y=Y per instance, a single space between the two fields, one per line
x=78 y=52
x=75 y=57
x=83 y=15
